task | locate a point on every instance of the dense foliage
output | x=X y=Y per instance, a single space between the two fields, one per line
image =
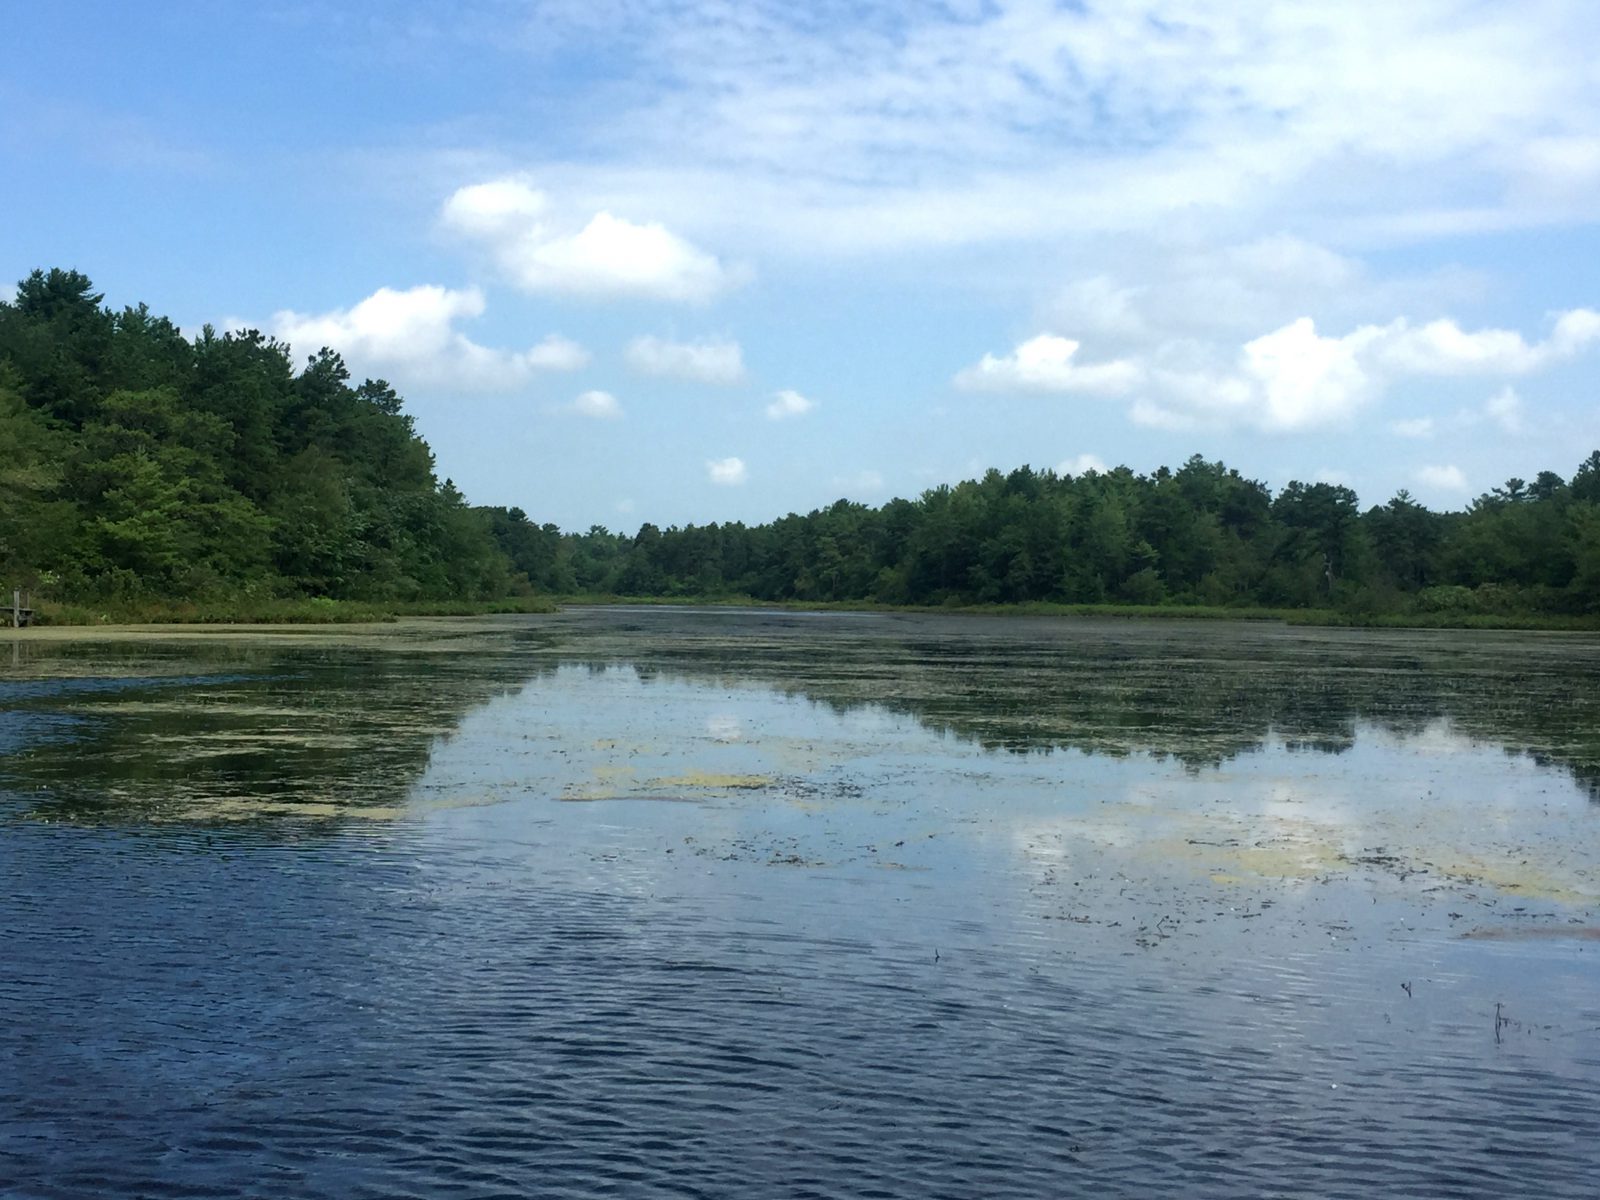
x=1202 y=534
x=136 y=463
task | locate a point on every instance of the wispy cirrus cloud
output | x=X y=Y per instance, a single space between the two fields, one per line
x=1017 y=119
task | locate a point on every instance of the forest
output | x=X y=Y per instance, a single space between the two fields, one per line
x=1202 y=535
x=137 y=465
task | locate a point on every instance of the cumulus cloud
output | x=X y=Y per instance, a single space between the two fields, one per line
x=1296 y=379
x=611 y=256
x=1304 y=379
x=602 y=406
x=726 y=472
x=709 y=360
x=1442 y=478
x=1289 y=380
x=1082 y=464
x=1444 y=348
x=788 y=404
x=607 y=257
x=1047 y=363
x=411 y=336
x=500 y=208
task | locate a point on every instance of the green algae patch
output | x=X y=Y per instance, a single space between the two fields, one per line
x=1525 y=879
x=413 y=634
x=710 y=781
x=590 y=796
x=617 y=783
x=1534 y=933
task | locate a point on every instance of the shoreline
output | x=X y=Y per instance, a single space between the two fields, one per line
x=349 y=614
x=1314 y=617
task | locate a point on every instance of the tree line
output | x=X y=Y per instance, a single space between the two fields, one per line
x=137 y=463
x=1199 y=535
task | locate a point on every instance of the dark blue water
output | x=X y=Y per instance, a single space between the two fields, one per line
x=856 y=955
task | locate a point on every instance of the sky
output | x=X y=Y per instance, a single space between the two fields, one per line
x=650 y=260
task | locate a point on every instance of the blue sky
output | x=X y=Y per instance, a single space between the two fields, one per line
x=647 y=260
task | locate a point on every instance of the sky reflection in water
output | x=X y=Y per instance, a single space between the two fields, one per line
x=711 y=903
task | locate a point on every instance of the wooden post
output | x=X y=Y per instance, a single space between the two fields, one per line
x=16 y=608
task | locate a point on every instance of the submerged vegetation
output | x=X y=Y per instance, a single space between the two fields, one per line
x=147 y=475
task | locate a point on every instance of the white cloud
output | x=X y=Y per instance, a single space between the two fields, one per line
x=602 y=406
x=1082 y=464
x=557 y=353
x=1150 y=292
x=611 y=256
x=1306 y=380
x=1295 y=379
x=1412 y=427
x=1444 y=348
x=709 y=360
x=789 y=403
x=1290 y=380
x=1192 y=394
x=500 y=208
x=1442 y=478
x=1047 y=364
x=1504 y=408
x=411 y=336
x=727 y=472
x=1102 y=305
x=1564 y=162
x=940 y=124
x=608 y=257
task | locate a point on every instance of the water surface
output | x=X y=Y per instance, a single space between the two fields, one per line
x=658 y=902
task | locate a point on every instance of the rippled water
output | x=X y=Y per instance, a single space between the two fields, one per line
x=729 y=904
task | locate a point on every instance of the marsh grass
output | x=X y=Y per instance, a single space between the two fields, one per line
x=1188 y=612
x=318 y=611
x=305 y=611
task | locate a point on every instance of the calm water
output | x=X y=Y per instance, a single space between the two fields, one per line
x=733 y=904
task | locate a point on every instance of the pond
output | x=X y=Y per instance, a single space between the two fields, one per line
x=720 y=903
